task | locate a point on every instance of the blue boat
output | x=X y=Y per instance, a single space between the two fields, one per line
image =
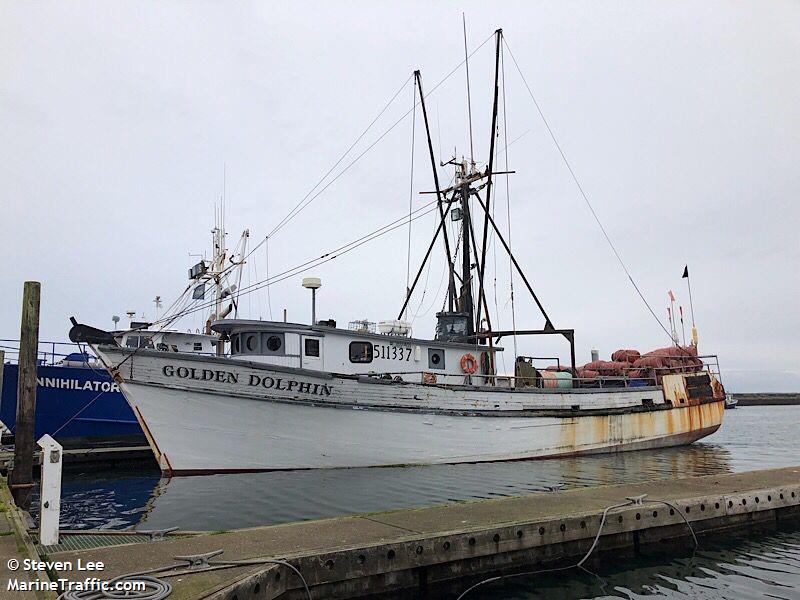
x=76 y=401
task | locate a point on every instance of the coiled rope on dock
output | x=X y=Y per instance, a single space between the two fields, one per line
x=158 y=589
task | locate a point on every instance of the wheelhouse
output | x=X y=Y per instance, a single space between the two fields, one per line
x=355 y=352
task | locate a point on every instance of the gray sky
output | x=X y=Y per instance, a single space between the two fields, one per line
x=682 y=121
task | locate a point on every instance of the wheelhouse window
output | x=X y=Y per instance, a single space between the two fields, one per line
x=139 y=341
x=435 y=358
x=360 y=352
x=250 y=342
x=198 y=346
x=272 y=343
x=311 y=347
x=259 y=343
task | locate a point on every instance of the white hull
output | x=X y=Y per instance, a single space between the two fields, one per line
x=214 y=420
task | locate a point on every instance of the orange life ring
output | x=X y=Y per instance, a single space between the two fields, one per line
x=468 y=364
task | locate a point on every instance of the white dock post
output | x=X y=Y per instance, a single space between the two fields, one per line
x=50 y=497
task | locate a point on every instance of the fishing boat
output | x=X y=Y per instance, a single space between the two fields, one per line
x=314 y=396
x=77 y=402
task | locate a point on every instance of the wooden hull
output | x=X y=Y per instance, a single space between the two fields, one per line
x=207 y=415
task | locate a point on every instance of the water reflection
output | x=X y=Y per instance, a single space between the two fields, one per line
x=750 y=438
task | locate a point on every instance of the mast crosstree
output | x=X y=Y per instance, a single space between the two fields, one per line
x=467 y=317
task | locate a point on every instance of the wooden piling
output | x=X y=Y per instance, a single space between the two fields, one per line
x=2 y=366
x=21 y=478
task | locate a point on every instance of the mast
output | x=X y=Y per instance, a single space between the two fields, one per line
x=467 y=305
x=482 y=257
x=451 y=287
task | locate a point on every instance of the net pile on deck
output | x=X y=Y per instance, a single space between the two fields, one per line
x=635 y=365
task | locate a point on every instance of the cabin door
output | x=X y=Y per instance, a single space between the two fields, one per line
x=311 y=352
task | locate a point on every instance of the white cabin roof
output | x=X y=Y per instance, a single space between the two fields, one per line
x=230 y=326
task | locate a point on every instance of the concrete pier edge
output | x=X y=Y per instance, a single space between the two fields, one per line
x=364 y=555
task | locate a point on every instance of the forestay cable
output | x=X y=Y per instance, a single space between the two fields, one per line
x=582 y=192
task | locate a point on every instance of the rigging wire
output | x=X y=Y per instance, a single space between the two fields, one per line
x=508 y=203
x=308 y=198
x=312 y=263
x=269 y=295
x=469 y=99
x=291 y=214
x=583 y=193
x=425 y=288
x=411 y=190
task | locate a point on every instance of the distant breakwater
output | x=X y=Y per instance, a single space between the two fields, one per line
x=767 y=399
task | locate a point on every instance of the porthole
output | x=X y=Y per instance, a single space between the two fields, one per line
x=273 y=343
x=251 y=342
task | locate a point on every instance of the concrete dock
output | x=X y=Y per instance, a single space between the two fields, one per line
x=16 y=544
x=423 y=551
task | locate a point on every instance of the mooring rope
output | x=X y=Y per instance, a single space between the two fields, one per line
x=634 y=501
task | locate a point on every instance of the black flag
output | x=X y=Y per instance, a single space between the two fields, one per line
x=685 y=272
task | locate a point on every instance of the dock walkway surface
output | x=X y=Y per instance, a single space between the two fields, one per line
x=422 y=548
x=16 y=545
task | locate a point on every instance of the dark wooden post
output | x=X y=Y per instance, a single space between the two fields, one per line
x=2 y=366
x=21 y=478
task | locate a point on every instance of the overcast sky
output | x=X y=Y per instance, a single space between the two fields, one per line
x=681 y=120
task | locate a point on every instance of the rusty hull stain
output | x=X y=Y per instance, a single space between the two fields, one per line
x=652 y=429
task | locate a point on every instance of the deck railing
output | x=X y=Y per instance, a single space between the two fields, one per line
x=48 y=352
x=710 y=365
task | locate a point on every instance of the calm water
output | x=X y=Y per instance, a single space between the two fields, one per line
x=750 y=438
x=736 y=569
x=764 y=566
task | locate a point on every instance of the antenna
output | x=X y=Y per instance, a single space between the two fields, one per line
x=157 y=302
x=469 y=100
x=313 y=284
